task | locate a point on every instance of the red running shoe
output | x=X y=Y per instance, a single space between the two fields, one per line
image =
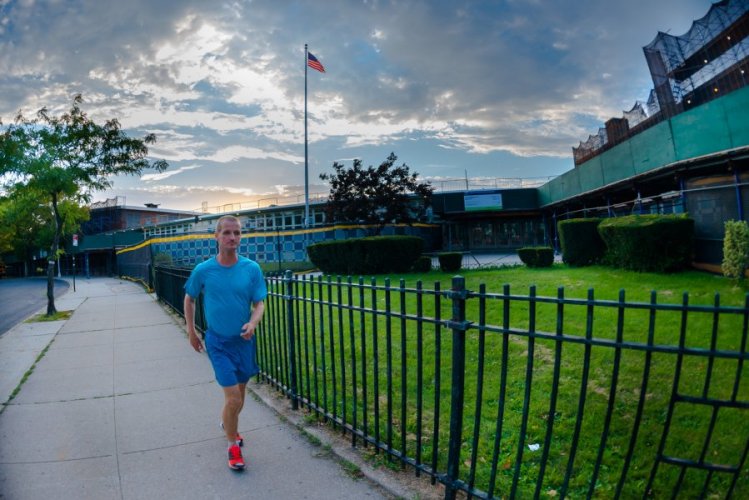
x=236 y=462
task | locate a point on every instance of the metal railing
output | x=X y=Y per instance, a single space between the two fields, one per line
x=169 y=285
x=519 y=395
x=439 y=184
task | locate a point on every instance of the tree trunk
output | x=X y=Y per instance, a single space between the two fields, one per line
x=51 y=286
x=51 y=310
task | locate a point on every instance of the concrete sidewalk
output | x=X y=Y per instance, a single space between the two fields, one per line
x=121 y=407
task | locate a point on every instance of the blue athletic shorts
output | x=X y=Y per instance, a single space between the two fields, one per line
x=233 y=358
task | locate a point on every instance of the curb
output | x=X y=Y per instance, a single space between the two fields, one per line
x=399 y=485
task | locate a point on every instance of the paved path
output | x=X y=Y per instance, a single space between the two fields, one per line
x=476 y=260
x=121 y=407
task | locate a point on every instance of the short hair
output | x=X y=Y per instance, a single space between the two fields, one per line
x=224 y=219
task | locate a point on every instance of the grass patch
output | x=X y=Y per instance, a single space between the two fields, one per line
x=313 y=440
x=390 y=374
x=351 y=469
x=58 y=316
x=26 y=376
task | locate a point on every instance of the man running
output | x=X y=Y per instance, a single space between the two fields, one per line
x=229 y=283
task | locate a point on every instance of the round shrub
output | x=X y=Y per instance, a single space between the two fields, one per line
x=422 y=265
x=537 y=256
x=735 y=249
x=450 y=261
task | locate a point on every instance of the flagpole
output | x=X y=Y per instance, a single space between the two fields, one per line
x=306 y=160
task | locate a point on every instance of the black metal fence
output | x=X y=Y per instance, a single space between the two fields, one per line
x=518 y=395
x=169 y=285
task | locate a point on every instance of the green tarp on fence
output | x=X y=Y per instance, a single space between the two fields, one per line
x=719 y=125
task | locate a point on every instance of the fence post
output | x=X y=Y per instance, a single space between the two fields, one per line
x=459 y=326
x=289 y=281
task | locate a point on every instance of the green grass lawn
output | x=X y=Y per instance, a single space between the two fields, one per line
x=59 y=315
x=532 y=368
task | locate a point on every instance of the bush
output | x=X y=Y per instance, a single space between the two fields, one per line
x=371 y=255
x=423 y=264
x=736 y=249
x=450 y=261
x=580 y=241
x=385 y=254
x=326 y=256
x=654 y=243
x=159 y=259
x=537 y=256
x=162 y=259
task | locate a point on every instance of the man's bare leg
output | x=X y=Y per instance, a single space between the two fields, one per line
x=243 y=392
x=233 y=402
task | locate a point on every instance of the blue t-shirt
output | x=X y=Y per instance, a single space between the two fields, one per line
x=228 y=292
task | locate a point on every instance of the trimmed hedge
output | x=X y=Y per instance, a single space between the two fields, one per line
x=653 y=243
x=370 y=255
x=422 y=265
x=537 y=256
x=735 y=249
x=581 y=243
x=450 y=261
x=329 y=256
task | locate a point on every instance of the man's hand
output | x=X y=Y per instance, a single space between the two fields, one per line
x=189 y=309
x=195 y=342
x=248 y=330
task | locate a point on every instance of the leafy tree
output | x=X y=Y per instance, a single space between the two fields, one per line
x=6 y=233
x=27 y=225
x=22 y=218
x=63 y=160
x=72 y=215
x=376 y=196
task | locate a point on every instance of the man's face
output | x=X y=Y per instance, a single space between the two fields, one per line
x=229 y=235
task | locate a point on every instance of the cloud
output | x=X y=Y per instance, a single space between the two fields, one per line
x=166 y=174
x=222 y=83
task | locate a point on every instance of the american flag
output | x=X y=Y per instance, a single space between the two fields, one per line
x=313 y=63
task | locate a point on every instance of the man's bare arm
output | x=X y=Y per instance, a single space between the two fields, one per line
x=189 y=308
x=248 y=330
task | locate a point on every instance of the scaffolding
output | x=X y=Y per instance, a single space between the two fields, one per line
x=707 y=62
x=103 y=216
x=711 y=56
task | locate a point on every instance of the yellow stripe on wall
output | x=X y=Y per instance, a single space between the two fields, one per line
x=206 y=236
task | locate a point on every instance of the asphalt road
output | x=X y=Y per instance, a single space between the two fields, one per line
x=22 y=297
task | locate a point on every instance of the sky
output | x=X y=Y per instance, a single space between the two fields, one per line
x=455 y=88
